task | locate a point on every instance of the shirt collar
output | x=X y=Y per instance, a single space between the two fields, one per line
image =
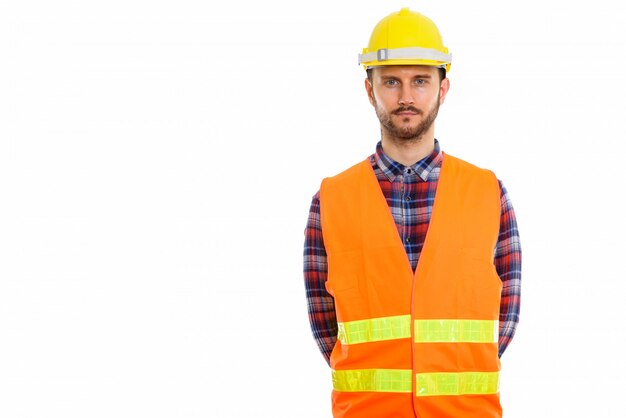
x=422 y=168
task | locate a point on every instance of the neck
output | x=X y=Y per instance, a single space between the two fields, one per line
x=408 y=152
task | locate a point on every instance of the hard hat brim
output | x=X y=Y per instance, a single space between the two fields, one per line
x=386 y=63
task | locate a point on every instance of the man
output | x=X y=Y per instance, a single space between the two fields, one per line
x=412 y=259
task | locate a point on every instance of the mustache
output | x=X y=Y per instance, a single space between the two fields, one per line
x=408 y=109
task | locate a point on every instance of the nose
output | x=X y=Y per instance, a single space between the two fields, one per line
x=406 y=97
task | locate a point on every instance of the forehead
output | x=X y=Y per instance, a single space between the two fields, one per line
x=405 y=71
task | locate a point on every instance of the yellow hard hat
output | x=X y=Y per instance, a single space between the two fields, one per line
x=405 y=38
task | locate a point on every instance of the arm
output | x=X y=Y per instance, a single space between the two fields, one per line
x=508 y=263
x=320 y=303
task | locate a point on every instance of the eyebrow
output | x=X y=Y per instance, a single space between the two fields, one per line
x=387 y=77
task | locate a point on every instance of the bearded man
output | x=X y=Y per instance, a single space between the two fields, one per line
x=412 y=258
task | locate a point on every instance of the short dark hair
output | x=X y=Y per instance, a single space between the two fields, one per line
x=442 y=73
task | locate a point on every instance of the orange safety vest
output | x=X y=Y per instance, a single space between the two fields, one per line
x=414 y=344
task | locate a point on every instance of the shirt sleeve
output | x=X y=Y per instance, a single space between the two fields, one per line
x=508 y=263
x=320 y=304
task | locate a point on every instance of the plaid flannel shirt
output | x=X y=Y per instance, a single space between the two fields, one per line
x=410 y=193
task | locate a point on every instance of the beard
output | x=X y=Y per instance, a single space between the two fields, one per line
x=408 y=133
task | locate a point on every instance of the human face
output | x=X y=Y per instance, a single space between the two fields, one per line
x=406 y=99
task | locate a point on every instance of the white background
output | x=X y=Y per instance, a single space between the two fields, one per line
x=157 y=161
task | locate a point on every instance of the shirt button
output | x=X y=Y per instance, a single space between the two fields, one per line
x=408 y=239
x=407 y=197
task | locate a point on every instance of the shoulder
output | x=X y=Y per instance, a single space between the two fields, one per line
x=474 y=176
x=347 y=175
x=467 y=166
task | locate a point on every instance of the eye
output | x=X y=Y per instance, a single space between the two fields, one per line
x=391 y=82
x=420 y=81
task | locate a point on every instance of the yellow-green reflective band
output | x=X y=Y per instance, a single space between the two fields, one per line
x=456 y=331
x=467 y=383
x=376 y=329
x=372 y=380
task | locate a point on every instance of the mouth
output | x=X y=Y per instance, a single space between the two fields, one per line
x=407 y=111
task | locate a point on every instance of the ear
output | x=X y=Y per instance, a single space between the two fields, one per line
x=370 y=91
x=443 y=89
